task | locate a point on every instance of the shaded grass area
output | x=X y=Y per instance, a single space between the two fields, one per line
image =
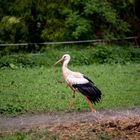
x=40 y=89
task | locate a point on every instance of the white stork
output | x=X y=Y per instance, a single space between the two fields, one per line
x=78 y=82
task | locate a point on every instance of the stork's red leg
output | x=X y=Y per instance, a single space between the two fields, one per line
x=73 y=97
x=90 y=105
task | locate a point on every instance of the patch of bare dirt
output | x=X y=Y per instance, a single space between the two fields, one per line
x=104 y=124
x=111 y=129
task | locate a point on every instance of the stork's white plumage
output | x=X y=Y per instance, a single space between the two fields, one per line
x=78 y=82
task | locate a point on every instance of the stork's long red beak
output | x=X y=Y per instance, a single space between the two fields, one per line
x=60 y=60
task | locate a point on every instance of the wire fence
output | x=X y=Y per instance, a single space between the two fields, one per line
x=133 y=39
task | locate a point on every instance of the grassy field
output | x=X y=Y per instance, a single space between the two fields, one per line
x=40 y=89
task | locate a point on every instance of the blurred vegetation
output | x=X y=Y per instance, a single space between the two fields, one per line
x=81 y=55
x=58 y=20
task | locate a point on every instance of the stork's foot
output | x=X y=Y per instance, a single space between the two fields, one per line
x=70 y=107
x=70 y=110
x=93 y=110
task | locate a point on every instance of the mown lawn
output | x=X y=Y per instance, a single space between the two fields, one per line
x=40 y=89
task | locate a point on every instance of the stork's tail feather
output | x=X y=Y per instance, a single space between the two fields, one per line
x=90 y=91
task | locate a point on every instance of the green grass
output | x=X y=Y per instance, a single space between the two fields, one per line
x=40 y=89
x=32 y=134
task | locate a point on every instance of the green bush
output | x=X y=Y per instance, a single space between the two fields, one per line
x=14 y=61
x=116 y=54
x=81 y=55
x=11 y=108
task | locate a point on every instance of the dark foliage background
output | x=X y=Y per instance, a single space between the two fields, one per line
x=58 y=20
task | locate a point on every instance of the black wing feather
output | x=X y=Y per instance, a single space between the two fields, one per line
x=88 y=79
x=89 y=90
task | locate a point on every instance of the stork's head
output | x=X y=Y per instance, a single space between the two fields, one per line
x=65 y=57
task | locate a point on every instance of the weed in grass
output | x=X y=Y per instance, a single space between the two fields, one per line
x=103 y=135
x=107 y=135
x=16 y=136
x=54 y=137
x=32 y=134
x=38 y=134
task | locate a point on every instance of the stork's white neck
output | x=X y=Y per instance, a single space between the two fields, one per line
x=65 y=70
x=65 y=63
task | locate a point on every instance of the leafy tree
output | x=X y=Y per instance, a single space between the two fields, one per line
x=100 y=19
x=12 y=30
x=58 y=20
